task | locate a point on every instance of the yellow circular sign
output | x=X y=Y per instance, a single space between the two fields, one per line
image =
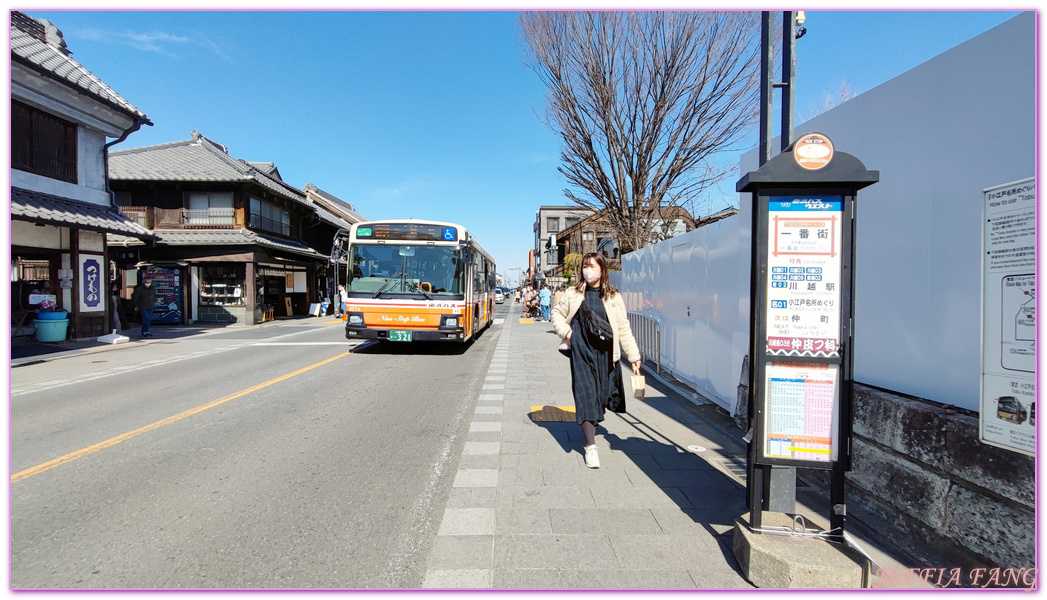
x=813 y=151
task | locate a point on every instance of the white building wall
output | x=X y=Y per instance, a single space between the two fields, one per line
x=95 y=122
x=696 y=286
x=939 y=134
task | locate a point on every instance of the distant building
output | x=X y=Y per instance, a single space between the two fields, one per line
x=550 y=221
x=596 y=234
x=61 y=208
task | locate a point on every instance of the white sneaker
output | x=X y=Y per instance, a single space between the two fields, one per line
x=592 y=460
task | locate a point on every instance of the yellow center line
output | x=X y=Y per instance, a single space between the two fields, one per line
x=130 y=434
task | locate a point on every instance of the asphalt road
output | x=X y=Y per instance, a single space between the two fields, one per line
x=254 y=464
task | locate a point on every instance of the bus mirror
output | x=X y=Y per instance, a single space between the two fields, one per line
x=406 y=250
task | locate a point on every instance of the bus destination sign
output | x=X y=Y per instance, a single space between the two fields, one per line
x=408 y=231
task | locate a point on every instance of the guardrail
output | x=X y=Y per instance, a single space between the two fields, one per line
x=648 y=336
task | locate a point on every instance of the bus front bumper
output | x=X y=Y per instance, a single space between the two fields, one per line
x=417 y=335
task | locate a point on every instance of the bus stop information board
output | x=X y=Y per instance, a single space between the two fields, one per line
x=802 y=411
x=804 y=262
x=803 y=258
x=1008 y=399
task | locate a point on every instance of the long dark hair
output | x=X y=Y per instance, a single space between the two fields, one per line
x=606 y=291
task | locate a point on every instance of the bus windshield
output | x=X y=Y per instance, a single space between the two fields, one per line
x=376 y=270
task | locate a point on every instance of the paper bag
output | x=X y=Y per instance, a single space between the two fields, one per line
x=639 y=385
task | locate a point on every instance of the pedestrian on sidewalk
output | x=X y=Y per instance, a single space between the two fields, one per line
x=544 y=298
x=144 y=299
x=343 y=297
x=119 y=320
x=528 y=302
x=559 y=294
x=596 y=380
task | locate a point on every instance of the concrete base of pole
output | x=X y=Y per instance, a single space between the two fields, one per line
x=783 y=562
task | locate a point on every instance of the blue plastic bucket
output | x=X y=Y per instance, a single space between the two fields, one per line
x=54 y=315
x=50 y=330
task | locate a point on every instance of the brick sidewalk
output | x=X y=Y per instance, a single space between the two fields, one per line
x=525 y=512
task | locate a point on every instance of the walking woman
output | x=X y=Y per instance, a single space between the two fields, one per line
x=581 y=318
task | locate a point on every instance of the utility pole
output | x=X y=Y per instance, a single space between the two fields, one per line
x=792 y=30
x=774 y=486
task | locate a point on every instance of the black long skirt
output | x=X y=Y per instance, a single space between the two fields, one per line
x=595 y=378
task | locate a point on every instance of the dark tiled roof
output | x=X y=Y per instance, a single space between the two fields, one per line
x=231 y=237
x=330 y=218
x=198 y=160
x=38 y=207
x=29 y=49
x=348 y=211
x=268 y=168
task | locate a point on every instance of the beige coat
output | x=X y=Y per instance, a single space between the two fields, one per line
x=617 y=315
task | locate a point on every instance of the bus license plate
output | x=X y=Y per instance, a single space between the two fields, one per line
x=399 y=336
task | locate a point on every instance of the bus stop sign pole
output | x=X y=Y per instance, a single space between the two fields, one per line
x=801 y=326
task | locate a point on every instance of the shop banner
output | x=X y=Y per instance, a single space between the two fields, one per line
x=91 y=284
x=1008 y=400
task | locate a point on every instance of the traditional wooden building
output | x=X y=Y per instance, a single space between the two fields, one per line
x=596 y=234
x=61 y=206
x=234 y=242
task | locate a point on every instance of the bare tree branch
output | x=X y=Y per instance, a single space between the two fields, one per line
x=642 y=102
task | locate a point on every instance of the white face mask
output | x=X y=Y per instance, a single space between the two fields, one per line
x=148 y=284
x=591 y=275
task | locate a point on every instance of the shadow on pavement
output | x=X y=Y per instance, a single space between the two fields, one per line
x=702 y=492
x=706 y=495
x=413 y=348
x=28 y=349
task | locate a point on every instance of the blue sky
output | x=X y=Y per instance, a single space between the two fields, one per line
x=418 y=114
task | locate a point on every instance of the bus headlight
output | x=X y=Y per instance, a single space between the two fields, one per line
x=449 y=322
x=355 y=319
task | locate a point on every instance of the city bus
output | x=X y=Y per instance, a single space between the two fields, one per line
x=411 y=280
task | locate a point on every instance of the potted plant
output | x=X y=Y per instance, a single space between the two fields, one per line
x=51 y=322
x=49 y=311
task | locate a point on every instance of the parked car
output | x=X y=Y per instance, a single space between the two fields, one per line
x=499 y=296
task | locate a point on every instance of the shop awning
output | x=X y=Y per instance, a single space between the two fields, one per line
x=232 y=237
x=38 y=207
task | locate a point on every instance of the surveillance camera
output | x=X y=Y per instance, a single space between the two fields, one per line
x=801 y=18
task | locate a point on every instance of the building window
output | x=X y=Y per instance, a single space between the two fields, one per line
x=210 y=209
x=222 y=286
x=270 y=217
x=570 y=222
x=588 y=236
x=43 y=144
x=552 y=224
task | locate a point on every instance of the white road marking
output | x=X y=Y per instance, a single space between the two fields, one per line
x=20 y=389
x=307 y=344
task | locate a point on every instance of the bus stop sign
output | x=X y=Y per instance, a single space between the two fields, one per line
x=801 y=317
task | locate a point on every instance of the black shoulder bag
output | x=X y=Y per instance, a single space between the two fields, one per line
x=598 y=327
